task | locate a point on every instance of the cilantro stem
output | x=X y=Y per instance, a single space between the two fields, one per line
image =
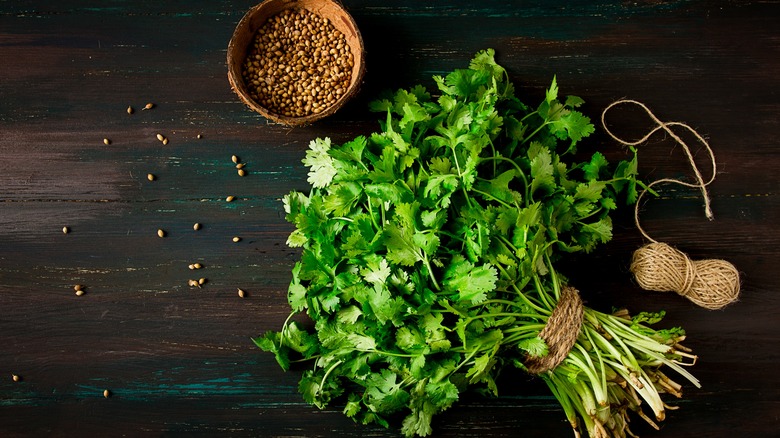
x=430 y=272
x=327 y=373
x=520 y=172
x=386 y=353
x=489 y=196
x=498 y=301
x=519 y=293
x=371 y=215
x=508 y=314
x=533 y=113
x=556 y=282
x=536 y=131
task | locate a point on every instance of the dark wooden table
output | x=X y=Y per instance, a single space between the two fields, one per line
x=179 y=361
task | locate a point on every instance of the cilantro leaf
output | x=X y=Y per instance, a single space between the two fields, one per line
x=470 y=283
x=573 y=126
x=594 y=168
x=385 y=393
x=320 y=163
x=542 y=171
x=271 y=342
x=534 y=347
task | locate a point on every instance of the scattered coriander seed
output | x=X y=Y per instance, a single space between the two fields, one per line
x=202 y=281
x=148 y=106
x=16 y=377
x=78 y=287
x=165 y=141
x=160 y=137
x=196 y=227
x=240 y=165
x=241 y=172
x=234 y=159
x=241 y=293
x=236 y=239
x=106 y=393
x=197 y=265
x=106 y=141
x=130 y=110
x=79 y=292
x=65 y=230
x=230 y=198
x=161 y=233
x=193 y=283
x=150 y=177
x=199 y=136
x=191 y=266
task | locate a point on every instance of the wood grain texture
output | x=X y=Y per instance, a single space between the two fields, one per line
x=178 y=360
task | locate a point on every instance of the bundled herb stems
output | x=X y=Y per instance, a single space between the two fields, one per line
x=428 y=263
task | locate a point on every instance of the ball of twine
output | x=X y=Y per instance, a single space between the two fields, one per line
x=709 y=283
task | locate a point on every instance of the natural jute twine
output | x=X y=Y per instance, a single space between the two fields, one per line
x=711 y=283
x=560 y=333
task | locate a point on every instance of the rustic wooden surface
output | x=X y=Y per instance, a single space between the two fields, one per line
x=179 y=361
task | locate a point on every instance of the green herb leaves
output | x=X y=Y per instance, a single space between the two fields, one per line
x=428 y=248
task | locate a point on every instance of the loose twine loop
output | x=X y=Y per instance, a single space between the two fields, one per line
x=711 y=283
x=560 y=333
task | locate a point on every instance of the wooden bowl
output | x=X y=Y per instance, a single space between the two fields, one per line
x=243 y=39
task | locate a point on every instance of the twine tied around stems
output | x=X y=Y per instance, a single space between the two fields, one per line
x=560 y=333
x=711 y=283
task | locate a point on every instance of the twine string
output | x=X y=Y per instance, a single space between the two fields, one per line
x=560 y=333
x=667 y=127
x=711 y=283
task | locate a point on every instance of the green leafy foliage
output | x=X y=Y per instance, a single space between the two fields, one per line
x=428 y=254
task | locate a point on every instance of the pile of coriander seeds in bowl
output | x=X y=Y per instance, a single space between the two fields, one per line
x=295 y=62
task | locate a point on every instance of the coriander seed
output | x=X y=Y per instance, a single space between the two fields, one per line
x=161 y=233
x=160 y=137
x=106 y=393
x=79 y=293
x=240 y=165
x=148 y=106
x=202 y=281
x=298 y=64
x=193 y=283
x=241 y=172
x=16 y=377
x=241 y=293
x=230 y=198
x=236 y=239
x=65 y=230
x=196 y=227
x=78 y=287
x=130 y=110
x=234 y=159
x=150 y=177
x=106 y=141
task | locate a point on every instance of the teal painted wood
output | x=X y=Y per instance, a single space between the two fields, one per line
x=178 y=360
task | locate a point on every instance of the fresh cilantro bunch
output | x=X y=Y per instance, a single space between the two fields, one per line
x=428 y=254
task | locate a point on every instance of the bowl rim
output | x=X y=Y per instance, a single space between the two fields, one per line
x=236 y=56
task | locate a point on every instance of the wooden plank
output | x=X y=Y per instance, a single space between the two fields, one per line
x=179 y=361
